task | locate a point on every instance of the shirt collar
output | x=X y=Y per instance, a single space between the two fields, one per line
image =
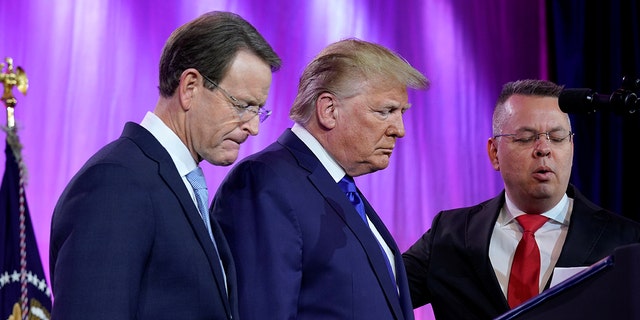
x=169 y=140
x=558 y=213
x=335 y=170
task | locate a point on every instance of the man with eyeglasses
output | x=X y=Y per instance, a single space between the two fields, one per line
x=465 y=265
x=131 y=236
x=306 y=249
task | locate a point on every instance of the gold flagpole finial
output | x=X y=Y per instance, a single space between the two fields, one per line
x=10 y=79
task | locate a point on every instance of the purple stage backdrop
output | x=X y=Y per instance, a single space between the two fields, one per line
x=92 y=66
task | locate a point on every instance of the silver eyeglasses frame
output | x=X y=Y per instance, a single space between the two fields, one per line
x=261 y=112
x=529 y=137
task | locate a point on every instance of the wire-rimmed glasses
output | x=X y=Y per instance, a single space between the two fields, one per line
x=528 y=138
x=242 y=109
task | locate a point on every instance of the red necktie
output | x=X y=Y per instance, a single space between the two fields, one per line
x=524 y=280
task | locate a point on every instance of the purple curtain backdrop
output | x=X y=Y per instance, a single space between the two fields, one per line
x=92 y=66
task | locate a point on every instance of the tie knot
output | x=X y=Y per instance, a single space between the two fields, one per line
x=347 y=184
x=196 y=179
x=531 y=222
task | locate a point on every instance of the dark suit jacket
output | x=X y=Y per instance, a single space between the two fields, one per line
x=301 y=249
x=449 y=265
x=127 y=241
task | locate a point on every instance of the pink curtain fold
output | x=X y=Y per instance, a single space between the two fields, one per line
x=92 y=66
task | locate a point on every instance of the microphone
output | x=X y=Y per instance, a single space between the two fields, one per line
x=583 y=100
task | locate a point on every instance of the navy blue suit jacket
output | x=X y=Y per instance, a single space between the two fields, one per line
x=449 y=265
x=301 y=249
x=127 y=241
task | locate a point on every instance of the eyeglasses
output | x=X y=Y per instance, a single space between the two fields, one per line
x=528 y=138
x=242 y=109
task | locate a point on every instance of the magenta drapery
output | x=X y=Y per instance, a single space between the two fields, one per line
x=92 y=66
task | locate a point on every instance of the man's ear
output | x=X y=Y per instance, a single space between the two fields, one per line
x=188 y=87
x=492 y=150
x=326 y=110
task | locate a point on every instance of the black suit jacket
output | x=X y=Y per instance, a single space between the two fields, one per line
x=127 y=241
x=449 y=265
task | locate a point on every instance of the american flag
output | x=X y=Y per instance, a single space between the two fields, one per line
x=24 y=293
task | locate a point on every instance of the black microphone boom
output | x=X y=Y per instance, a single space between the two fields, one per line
x=582 y=100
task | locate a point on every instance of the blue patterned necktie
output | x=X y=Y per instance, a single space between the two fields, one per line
x=348 y=186
x=197 y=181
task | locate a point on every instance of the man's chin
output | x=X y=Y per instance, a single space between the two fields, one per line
x=544 y=191
x=383 y=163
x=224 y=160
x=379 y=165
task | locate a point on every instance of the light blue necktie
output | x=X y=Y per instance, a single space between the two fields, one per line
x=197 y=181
x=348 y=186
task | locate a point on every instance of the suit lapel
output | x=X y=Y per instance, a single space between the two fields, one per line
x=586 y=227
x=168 y=172
x=229 y=266
x=402 y=306
x=587 y=224
x=479 y=228
x=323 y=182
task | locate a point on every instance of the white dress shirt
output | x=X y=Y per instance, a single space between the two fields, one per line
x=550 y=239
